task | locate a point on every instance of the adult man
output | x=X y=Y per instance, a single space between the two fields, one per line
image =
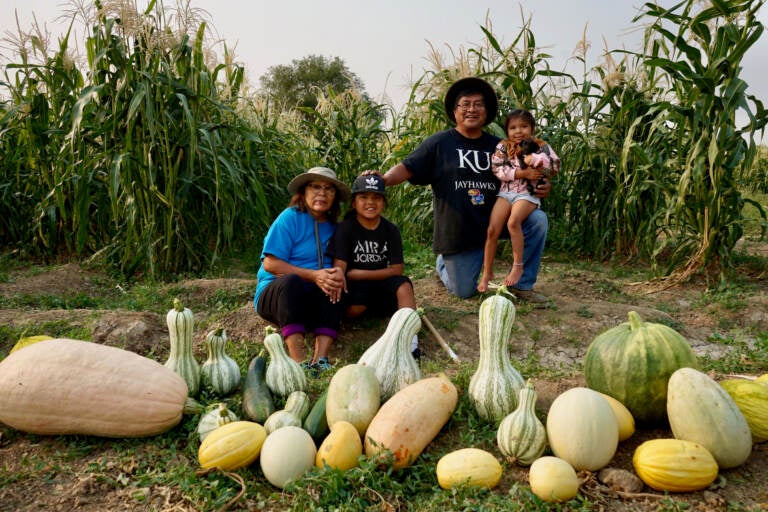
x=457 y=164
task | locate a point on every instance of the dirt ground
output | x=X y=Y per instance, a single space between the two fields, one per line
x=587 y=300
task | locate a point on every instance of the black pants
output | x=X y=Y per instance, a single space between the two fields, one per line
x=291 y=301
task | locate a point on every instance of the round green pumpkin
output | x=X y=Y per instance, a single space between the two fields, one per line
x=633 y=361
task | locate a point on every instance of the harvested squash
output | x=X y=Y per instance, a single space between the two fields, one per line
x=633 y=361
x=181 y=359
x=341 y=448
x=751 y=398
x=496 y=384
x=216 y=416
x=257 y=398
x=701 y=411
x=521 y=436
x=411 y=419
x=582 y=429
x=390 y=356
x=353 y=396
x=623 y=417
x=219 y=372
x=65 y=386
x=674 y=465
x=468 y=466
x=284 y=375
x=553 y=479
x=287 y=454
x=232 y=446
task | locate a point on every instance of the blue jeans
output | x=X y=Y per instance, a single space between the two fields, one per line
x=459 y=272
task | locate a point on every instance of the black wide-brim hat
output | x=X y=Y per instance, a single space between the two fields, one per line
x=472 y=85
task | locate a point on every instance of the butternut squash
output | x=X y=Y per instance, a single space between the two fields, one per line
x=410 y=420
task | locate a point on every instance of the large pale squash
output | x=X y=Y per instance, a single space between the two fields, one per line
x=632 y=362
x=468 y=466
x=582 y=429
x=751 y=398
x=65 y=386
x=674 y=465
x=353 y=396
x=231 y=446
x=411 y=419
x=701 y=411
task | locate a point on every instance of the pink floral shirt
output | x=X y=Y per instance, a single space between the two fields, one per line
x=505 y=169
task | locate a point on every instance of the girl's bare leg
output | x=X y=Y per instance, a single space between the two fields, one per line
x=520 y=211
x=499 y=216
x=295 y=343
x=405 y=296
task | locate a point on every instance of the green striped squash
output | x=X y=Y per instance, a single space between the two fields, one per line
x=257 y=399
x=701 y=411
x=390 y=356
x=220 y=373
x=495 y=385
x=296 y=409
x=521 y=436
x=633 y=361
x=181 y=360
x=284 y=375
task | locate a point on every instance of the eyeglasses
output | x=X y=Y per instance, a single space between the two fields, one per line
x=317 y=188
x=465 y=106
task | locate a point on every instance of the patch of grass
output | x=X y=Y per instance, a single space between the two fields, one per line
x=741 y=357
x=584 y=312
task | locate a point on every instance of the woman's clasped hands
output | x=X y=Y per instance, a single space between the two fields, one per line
x=332 y=282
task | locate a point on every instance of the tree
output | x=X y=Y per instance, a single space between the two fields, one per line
x=295 y=85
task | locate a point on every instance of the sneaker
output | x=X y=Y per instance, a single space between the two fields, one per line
x=323 y=364
x=534 y=298
x=416 y=353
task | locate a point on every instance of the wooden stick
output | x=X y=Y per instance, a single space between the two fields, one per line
x=439 y=338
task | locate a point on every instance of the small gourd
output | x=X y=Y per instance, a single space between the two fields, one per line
x=218 y=415
x=284 y=375
x=390 y=356
x=181 y=360
x=521 y=436
x=220 y=372
x=495 y=385
x=296 y=409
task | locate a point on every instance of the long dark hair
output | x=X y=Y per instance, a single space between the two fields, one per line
x=300 y=204
x=526 y=117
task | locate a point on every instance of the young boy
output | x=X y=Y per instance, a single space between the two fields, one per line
x=369 y=250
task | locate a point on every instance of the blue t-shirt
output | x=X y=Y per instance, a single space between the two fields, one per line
x=291 y=238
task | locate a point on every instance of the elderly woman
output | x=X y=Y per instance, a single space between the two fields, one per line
x=297 y=287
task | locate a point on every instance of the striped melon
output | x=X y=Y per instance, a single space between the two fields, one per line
x=220 y=373
x=632 y=363
x=495 y=385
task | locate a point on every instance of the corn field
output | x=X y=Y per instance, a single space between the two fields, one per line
x=149 y=155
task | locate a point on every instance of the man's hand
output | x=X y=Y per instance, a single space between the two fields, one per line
x=542 y=190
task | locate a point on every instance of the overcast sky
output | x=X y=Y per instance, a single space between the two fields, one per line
x=386 y=43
